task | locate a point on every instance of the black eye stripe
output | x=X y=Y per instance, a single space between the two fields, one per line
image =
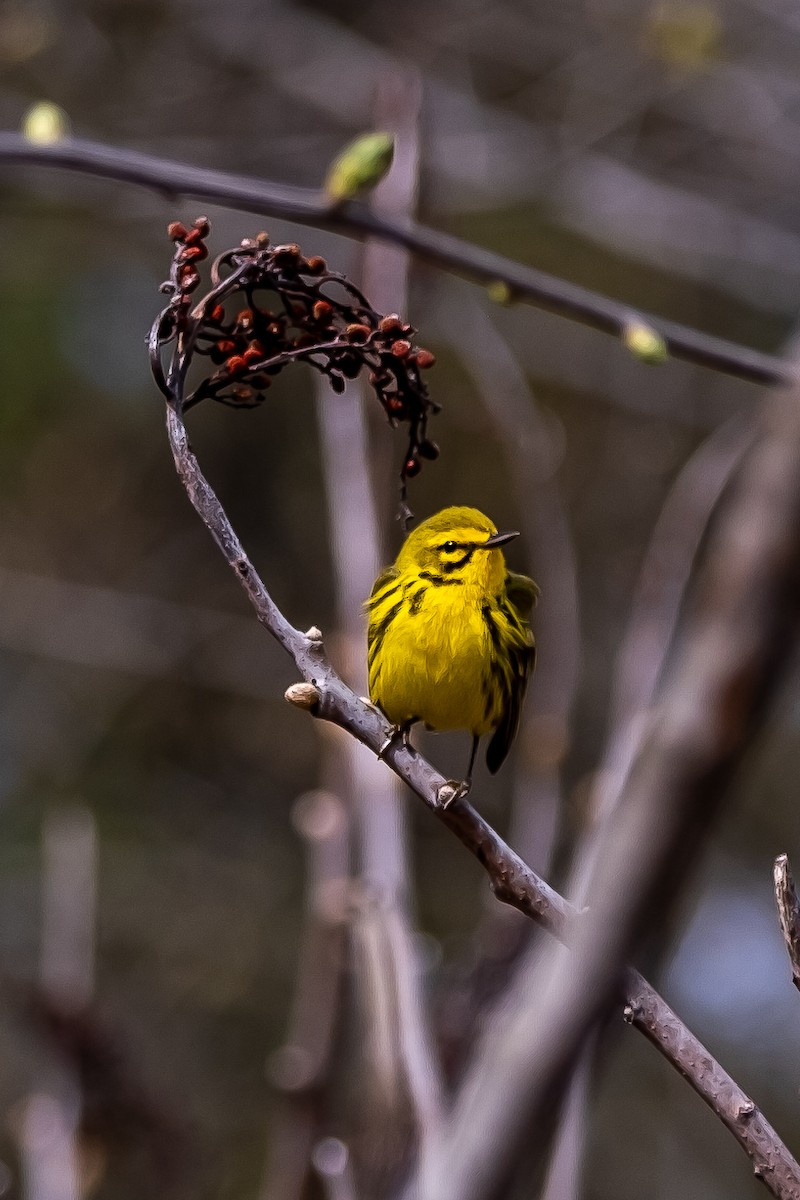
x=460 y=562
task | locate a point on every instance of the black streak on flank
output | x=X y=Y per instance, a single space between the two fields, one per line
x=383 y=595
x=416 y=601
x=379 y=632
x=494 y=632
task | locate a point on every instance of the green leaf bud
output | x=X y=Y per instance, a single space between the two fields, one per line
x=45 y=124
x=645 y=342
x=360 y=166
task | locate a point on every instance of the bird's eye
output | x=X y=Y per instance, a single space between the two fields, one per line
x=449 y=547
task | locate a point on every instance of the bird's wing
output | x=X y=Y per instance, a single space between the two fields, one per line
x=386 y=577
x=522 y=594
x=520 y=647
x=383 y=590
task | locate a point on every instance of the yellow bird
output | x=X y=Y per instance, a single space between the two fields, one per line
x=449 y=637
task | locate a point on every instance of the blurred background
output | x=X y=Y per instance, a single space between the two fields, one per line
x=160 y=813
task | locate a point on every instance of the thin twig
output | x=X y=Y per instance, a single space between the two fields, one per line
x=511 y=880
x=788 y=912
x=308 y=207
x=660 y=591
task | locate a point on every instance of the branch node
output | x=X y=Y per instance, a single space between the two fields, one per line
x=314 y=634
x=303 y=695
x=447 y=793
x=630 y=1012
x=745 y=1110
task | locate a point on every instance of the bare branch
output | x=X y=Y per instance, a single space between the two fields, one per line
x=511 y=880
x=653 y=1017
x=307 y=207
x=788 y=912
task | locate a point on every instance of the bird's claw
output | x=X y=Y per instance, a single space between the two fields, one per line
x=454 y=789
x=397 y=731
x=390 y=740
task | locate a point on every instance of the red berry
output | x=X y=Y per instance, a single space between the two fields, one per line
x=401 y=349
x=177 y=231
x=425 y=359
x=235 y=364
x=289 y=253
x=192 y=253
x=322 y=310
x=412 y=467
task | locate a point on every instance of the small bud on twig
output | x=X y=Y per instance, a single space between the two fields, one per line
x=500 y=292
x=645 y=342
x=44 y=124
x=303 y=695
x=360 y=166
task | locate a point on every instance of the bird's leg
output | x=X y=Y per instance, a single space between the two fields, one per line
x=456 y=789
x=398 y=731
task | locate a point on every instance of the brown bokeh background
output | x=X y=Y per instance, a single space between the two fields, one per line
x=646 y=151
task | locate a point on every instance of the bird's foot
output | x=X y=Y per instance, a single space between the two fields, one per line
x=454 y=789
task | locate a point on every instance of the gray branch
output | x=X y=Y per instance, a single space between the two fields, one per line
x=511 y=880
x=307 y=207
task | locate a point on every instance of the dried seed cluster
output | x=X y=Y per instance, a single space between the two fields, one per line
x=270 y=306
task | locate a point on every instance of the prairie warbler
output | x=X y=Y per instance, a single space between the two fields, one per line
x=449 y=639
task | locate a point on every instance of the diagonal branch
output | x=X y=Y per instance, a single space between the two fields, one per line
x=511 y=880
x=308 y=207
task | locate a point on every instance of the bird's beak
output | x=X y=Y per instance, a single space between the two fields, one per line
x=500 y=539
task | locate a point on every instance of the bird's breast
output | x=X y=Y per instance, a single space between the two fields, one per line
x=435 y=660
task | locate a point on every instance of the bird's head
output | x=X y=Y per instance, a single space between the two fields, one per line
x=459 y=544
